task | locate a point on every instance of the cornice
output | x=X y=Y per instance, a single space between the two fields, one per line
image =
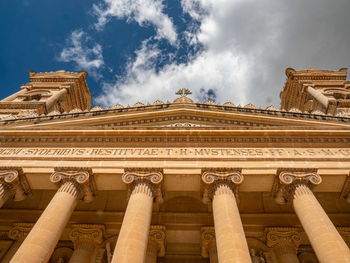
x=253 y=111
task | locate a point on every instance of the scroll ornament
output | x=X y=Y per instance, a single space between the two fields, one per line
x=157 y=237
x=283 y=237
x=284 y=186
x=153 y=178
x=82 y=233
x=14 y=183
x=81 y=178
x=207 y=240
x=212 y=179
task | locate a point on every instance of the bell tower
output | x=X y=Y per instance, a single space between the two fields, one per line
x=48 y=93
x=316 y=91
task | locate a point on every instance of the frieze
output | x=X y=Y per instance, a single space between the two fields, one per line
x=174 y=153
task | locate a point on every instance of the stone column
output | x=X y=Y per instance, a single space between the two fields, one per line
x=17 y=233
x=345 y=234
x=208 y=244
x=294 y=186
x=144 y=187
x=13 y=184
x=156 y=243
x=219 y=187
x=85 y=239
x=74 y=184
x=285 y=242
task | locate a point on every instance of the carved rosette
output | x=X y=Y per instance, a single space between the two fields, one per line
x=19 y=231
x=81 y=178
x=287 y=180
x=283 y=238
x=13 y=183
x=345 y=193
x=83 y=234
x=211 y=179
x=207 y=240
x=157 y=238
x=153 y=178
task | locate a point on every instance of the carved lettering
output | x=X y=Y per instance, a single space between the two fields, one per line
x=263 y=153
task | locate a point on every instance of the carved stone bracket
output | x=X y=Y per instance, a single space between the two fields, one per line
x=207 y=240
x=345 y=193
x=283 y=237
x=286 y=180
x=82 y=179
x=14 y=183
x=19 y=231
x=84 y=233
x=152 y=177
x=157 y=237
x=211 y=179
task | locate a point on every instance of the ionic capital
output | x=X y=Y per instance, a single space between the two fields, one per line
x=153 y=178
x=19 y=231
x=81 y=178
x=208 y=240
x=13 y=183
x=157 y=238
x=345 y=193
x=211 y=179
x=287 y=179
x=283 y=237
x=87 y=234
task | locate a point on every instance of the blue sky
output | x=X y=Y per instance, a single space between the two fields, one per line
x=144 y=50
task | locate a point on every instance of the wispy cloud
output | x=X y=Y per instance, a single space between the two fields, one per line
x=79 y=52
x=144 y=12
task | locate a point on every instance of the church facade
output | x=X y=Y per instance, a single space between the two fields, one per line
x=178 y=181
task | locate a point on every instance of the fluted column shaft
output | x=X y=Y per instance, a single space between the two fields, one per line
x=4 y=194
x=286 y=254
x=324 y=238
x=133 y=237
x=230 y=239
x=83 y=252
x=151 y=254
x=213 y=254
x=42 y=239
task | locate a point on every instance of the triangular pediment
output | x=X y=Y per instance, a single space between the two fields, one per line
x=182 y=116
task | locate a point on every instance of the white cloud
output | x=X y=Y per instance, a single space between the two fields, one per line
x=247 y=44
x=142 y=11
x=208 y=71
x=89 y=59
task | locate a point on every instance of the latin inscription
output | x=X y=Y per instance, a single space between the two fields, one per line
x=177 y=152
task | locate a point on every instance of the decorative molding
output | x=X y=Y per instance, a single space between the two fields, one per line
x=157 y=238
x=208 y=240
x=212 y=178
x=82 y=179
x=345 y=193
x=19 y=231
x=283 y=237
x=14 y=183
x=153 y=177
x=286 y=180
x=82 y=234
